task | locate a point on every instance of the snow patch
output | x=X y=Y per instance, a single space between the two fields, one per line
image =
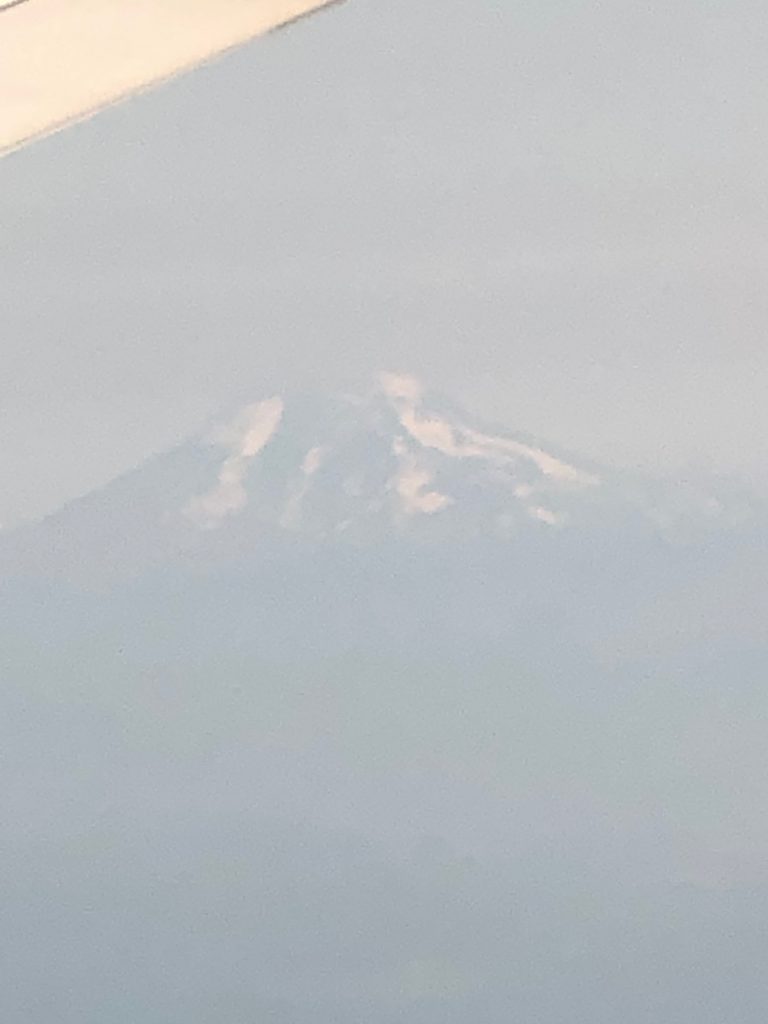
x=545 y=515
x=246 y=437
x=312 y=463
x=401 y=386
x=411 y=484
x=313 y=460
x=462 y=442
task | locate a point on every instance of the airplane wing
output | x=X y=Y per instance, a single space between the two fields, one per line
x=63 y=60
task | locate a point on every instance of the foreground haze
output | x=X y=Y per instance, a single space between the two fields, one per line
x=357 y=708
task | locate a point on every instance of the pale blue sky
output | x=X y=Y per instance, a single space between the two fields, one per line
x=555 y=211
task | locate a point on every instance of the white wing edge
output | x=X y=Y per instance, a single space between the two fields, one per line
x=63 y=61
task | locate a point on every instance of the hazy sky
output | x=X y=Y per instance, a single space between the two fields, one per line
x=555 y=211
x=383 y=782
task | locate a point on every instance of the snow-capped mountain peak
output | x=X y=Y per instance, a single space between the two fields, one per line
x=393 y=457
x=396 y=463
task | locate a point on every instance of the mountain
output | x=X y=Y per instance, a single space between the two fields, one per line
x=395 y=465
x=367 y=711
x=391 y=521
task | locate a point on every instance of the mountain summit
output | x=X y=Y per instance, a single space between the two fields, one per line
x=339 y=464
x=395 y=463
